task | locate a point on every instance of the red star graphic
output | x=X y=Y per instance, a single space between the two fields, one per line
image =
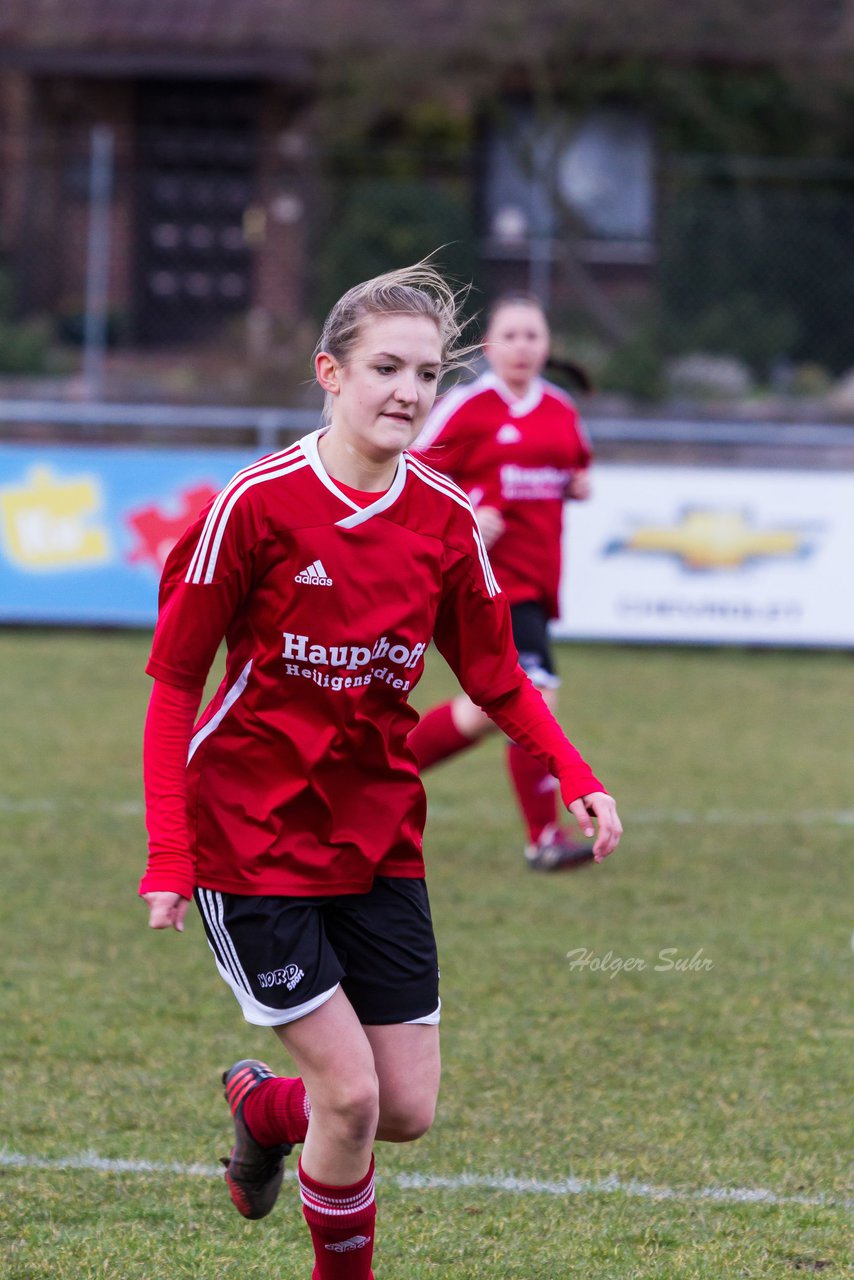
x=157 y=531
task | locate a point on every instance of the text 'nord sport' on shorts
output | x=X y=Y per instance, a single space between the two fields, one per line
x=284 y=957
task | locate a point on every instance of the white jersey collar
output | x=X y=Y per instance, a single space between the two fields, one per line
x=518 y=407
x=358 y=514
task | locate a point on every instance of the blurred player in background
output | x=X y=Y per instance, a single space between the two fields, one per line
x=293 y=810
x=515 y=444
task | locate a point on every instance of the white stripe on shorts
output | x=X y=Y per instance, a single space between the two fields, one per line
x=234 y=975
x=429 y=1019
x=262 y=1015
x=211 y=904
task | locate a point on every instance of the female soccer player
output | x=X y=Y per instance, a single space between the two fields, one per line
x=516 y=446
x=293 y=811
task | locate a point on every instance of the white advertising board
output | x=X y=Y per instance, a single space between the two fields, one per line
x=711 y=556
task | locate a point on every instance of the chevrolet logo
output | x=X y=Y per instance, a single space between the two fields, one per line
x=705 y=539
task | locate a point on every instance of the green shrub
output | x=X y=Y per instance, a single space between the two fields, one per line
x=759 y=270
x=24 y=344
x=24 y=348
x=383 y=223
x=636 y=367
x=747 y=325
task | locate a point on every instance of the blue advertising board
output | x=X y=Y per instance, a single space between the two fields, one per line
x=664 y=554
x=85 y=531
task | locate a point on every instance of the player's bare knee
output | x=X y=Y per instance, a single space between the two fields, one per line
x=469 y=719
x=352 y=1106
x=407 y=1122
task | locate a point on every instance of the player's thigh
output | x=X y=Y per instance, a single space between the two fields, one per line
x=408 y=1066
x=334 y=1056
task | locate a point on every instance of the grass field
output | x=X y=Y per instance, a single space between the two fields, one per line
x=616 y=1114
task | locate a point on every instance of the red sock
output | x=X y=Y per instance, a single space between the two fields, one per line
x=277 y=1111
x=535 y=790
x=436 y=737
x=341 y=1221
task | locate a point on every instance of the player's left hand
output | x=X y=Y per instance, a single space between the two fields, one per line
x=602 y=808
x=491 y=524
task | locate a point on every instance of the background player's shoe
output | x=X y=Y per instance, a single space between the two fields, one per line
x=554 y=851
x=253 y=1173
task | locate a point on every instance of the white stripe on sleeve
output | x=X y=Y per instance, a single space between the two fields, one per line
x=203 y=563
x=443 y=485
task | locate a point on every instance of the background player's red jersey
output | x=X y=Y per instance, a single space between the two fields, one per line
x=300 y=780
x=517 y=455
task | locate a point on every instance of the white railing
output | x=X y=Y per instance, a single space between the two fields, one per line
x=272 y=427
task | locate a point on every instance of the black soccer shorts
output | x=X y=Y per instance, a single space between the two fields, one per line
x=284 y=957
x=531 y=636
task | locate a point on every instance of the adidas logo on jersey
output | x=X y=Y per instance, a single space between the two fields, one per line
x=314 y=575
x=508 y=434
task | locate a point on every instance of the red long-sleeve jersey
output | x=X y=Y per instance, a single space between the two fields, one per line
x=517 y=455
x=299 y=779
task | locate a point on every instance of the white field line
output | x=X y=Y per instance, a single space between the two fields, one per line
x=679 y=817
x=90 y=1162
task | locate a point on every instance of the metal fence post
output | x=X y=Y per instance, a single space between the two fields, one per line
x=97 y=260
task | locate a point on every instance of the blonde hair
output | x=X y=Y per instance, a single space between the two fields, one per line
x=418 y=290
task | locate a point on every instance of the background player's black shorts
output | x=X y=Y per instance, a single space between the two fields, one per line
x=283 y=957
x=531 y=634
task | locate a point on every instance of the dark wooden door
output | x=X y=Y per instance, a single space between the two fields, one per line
x=197 y=153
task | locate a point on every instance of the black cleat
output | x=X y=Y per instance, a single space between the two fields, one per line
x=253 y=1173
x=554 y=851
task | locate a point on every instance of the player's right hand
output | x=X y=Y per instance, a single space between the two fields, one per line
x=166 y=910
